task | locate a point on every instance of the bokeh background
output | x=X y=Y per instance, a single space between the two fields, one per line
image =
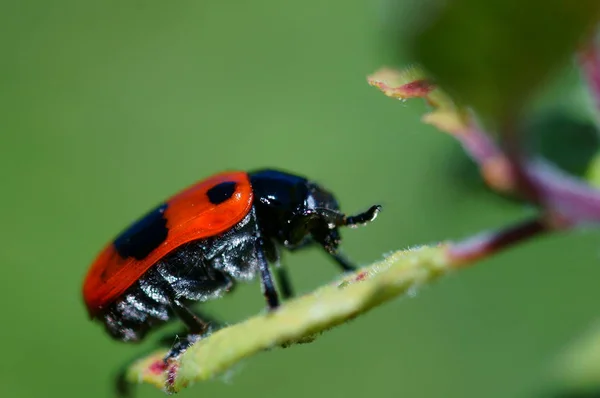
x=106 y=108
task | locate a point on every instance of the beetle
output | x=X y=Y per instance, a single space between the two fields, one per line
x=196 y=245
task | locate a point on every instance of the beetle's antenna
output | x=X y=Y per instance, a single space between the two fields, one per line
x=337 y=219
x=363 y=218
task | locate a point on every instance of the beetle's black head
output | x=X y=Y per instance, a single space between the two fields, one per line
x=295 y=211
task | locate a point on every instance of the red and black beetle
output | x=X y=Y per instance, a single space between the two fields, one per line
x=199 y=243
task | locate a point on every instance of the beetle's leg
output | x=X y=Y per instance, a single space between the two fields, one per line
x=343 y=262
x=329 y=242
x=266 y=277
x=183 y=341
x=328 y=236
x=329 y=239
x=281 y=273
x=169 y=338
x=195 y=325
x=181 y=345
x=212 y=325
x=283 y=279
x=193 y=322
x=197 y=328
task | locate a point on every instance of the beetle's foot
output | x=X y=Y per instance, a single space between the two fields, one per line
x=180 y=346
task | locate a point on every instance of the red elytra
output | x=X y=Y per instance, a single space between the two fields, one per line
x=190 y=216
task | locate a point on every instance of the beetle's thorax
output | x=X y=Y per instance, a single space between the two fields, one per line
x=286 y=206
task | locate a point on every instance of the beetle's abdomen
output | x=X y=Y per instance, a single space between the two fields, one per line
x=197 y=271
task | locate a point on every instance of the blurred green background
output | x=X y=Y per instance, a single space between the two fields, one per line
x=106 y=108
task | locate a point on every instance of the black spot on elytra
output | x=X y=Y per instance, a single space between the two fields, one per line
x=221 y=192
x=144 y=235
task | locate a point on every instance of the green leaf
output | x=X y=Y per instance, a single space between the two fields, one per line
x=298 y=321
x=493 y=55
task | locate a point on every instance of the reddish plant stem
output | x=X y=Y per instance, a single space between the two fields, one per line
x=565 y=200
x=511 y=139
x=479 y=145
x=487 y=243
